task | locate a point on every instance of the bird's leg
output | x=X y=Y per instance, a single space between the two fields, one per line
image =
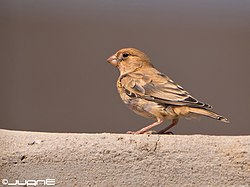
x=145 y=129
x=164 y=131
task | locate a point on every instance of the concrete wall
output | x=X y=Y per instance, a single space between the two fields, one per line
x=125 y=160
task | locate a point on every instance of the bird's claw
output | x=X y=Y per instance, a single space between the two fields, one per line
x=139 y=132
x=150 y=132
x=130 y=132
x=168 y=132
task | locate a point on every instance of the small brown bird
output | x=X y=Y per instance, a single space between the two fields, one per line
x=152 y=94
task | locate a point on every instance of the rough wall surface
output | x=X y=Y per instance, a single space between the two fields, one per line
x=125 y=160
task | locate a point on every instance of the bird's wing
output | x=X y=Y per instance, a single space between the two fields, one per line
x=159 y=88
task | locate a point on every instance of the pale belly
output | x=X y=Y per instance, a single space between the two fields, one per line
x=147 y=108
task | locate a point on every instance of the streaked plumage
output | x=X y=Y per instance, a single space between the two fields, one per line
x=152 y=94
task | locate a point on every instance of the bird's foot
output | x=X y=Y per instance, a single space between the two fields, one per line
x=163 y=132
x=141 y=132
x=130 y=132
x=150 y=132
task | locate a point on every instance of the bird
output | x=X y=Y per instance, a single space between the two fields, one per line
x=152 y=94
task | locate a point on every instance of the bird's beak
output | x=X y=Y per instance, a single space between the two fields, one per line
x=113 y=60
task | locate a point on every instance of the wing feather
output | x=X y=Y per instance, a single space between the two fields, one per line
x=159 y=88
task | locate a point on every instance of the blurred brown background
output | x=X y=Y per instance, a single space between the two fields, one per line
x=54 y=75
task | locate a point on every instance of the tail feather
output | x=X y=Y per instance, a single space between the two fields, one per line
x=208 y=114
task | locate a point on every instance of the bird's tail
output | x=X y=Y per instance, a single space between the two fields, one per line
x=208 y=114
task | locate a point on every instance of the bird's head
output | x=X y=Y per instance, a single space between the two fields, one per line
x=129 y=60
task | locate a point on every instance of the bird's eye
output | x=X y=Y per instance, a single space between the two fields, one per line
x=125 y=55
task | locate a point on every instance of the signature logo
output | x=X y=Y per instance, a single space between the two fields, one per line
x=32 y=182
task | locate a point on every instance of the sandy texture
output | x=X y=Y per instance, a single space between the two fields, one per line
x=125 y=160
